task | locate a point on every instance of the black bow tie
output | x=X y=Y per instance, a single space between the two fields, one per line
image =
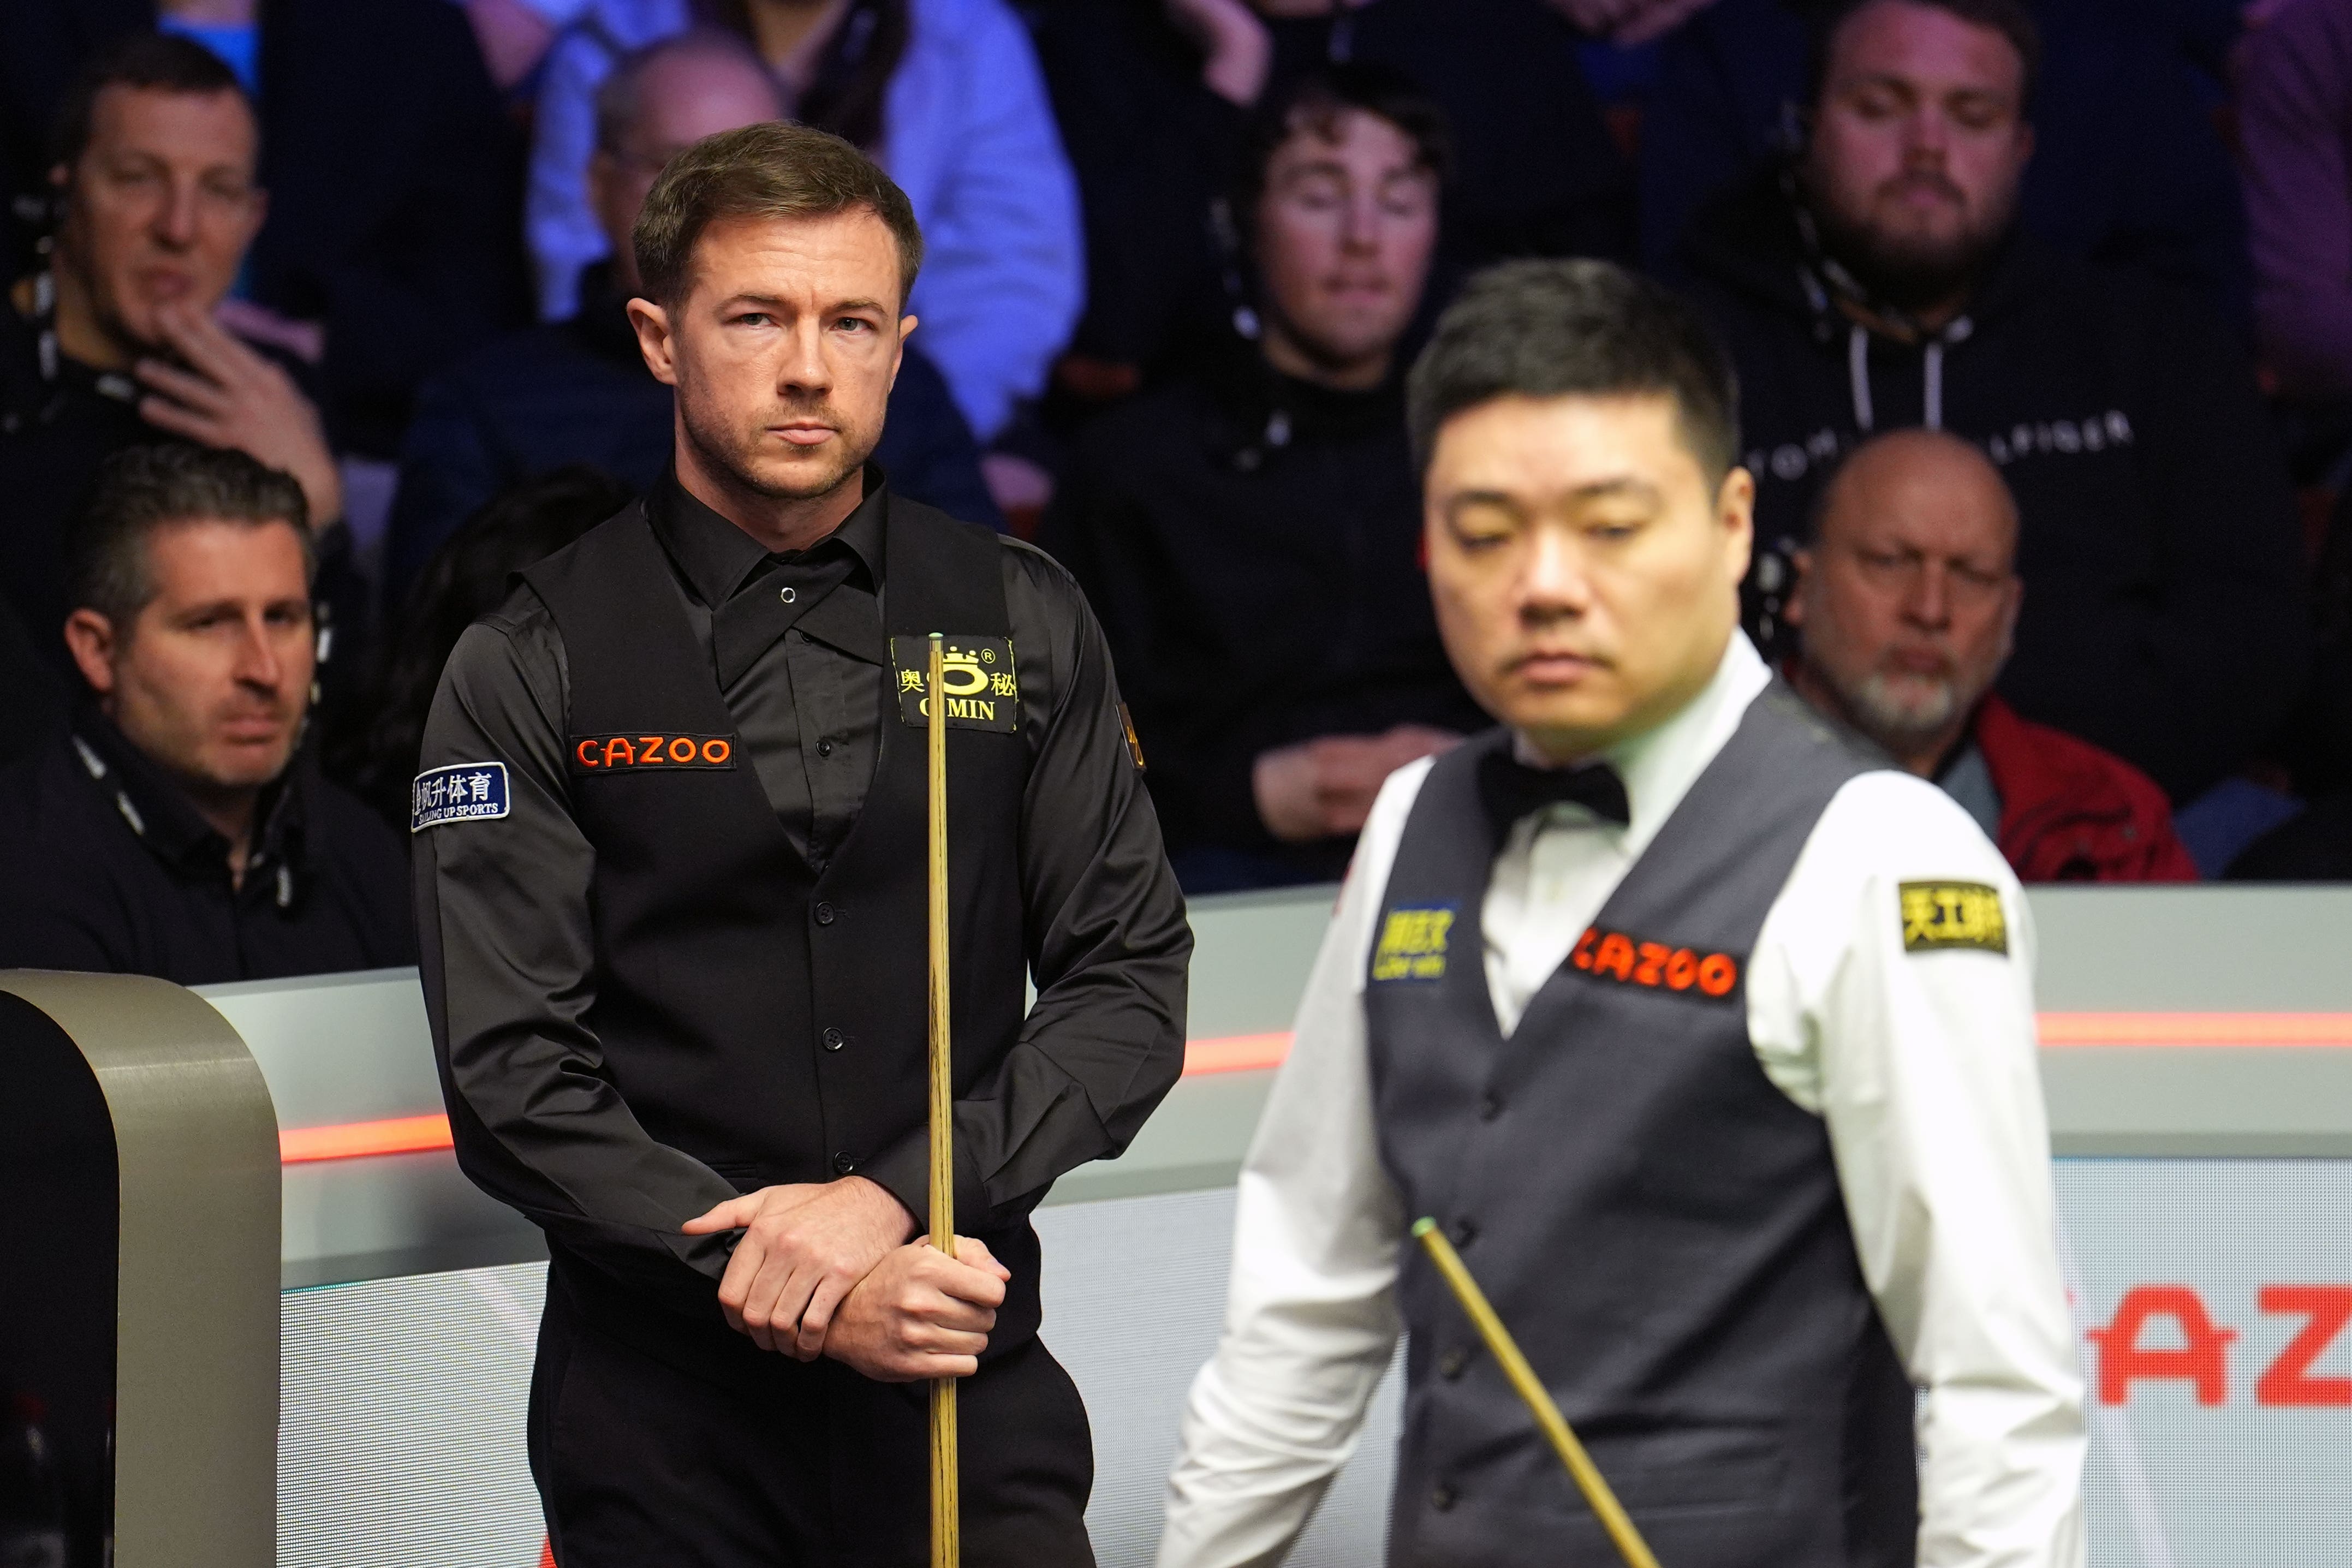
x=1511 y=789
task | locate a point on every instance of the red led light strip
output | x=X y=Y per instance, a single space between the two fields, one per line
x=1259 y=1052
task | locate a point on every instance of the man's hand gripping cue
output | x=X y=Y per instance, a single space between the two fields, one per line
x=826 y=1268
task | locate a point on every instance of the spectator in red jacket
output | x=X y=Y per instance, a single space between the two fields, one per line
x=1907 y=596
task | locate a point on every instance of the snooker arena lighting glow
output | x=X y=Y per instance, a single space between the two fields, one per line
x=1259 y=1052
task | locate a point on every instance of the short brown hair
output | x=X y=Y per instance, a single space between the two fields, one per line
x=143 y=489
x=773 y=170
x=149 y=61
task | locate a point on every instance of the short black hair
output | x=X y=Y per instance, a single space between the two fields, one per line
x=141 y=489
x=161 y=62
x=1317 y=99
x=2010 y=18
x=1575 y=328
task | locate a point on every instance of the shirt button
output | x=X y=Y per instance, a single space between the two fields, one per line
x=832 y=1041
x=844 y=1164
x=825 y=915
x=1441 y=1497
x=787 y=595
x=1465 y=1232
x=825 y=749
x=1452 y=1364
x=1490 y=1108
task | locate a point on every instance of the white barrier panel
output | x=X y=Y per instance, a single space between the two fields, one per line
x=2212 y=1295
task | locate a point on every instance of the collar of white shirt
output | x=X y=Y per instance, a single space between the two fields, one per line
x=1660 y=765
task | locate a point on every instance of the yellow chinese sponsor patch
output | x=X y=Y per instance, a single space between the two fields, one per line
x=976 y=674
x=1413 y=944
x=1939 y=914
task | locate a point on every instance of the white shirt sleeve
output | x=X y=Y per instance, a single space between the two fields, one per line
x=1311 y=1318
x=1923 y=1063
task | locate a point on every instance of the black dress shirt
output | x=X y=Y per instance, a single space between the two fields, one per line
x=110 y=868
x=507 y=930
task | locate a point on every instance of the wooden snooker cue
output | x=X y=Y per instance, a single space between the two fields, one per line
x=1587 y=1475
x=947 y=1513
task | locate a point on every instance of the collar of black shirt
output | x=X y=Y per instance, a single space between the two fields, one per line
x=755 y=597
x=163 y=819
x=718 y=560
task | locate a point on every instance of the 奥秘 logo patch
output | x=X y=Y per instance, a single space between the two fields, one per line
x=462 y=792
x=1937 y=916
x=1654 y=966
x=976 y=673
x=648 y=753
x=1413 y=944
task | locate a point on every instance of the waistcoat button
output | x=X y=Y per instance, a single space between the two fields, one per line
x=825 y=749
x=787 y=595
x=1465 y=1232
x=844 y=1164
x=1452 y=1364
x=833 y=1040
x=1490 y=1108
x=825 y=915
x=1441 y=1497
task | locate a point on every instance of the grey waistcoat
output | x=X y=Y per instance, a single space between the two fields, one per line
x=1659 y=1226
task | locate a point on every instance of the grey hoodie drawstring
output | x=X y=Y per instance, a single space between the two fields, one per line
x=1934 y=399
x=1857 y=364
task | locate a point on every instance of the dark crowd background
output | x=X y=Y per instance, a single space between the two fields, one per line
x=1180 y=255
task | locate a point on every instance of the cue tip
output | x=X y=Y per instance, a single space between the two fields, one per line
x=1423 y=1227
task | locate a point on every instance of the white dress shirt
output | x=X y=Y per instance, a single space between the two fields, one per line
x=1921 y=1063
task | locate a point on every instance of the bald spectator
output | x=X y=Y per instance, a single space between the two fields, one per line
x=578 y=391
x=1907 y=596
x=1882 y=281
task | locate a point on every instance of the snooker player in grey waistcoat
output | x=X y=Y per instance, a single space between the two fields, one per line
x=1705 y=1034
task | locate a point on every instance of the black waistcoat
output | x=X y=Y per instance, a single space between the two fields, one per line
x=1660 y=1227
x=767 y=1021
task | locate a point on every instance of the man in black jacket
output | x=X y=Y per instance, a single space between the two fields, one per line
x=1248 y=532
x=1880 y=281
x=178 y=829
x=393 y=173
x=578 y=391
x=114 y=340
x=670 y=880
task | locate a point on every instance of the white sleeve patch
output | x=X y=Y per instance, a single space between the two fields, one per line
x=462 y=792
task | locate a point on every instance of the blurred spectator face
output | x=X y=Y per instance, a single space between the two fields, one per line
x=1344 y=232
x=682 y=96
x=1586 y=570
x=1918 y=144
x=1908 y=595
x=160 y=208
x=211 y=677
x=784 y=349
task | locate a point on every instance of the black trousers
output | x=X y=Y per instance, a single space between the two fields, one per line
x=641 y=1465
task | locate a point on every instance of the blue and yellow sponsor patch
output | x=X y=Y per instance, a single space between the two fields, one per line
x=1937 y=916
x=1413 y=944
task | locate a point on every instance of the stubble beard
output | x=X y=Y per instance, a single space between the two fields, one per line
x=728 y=454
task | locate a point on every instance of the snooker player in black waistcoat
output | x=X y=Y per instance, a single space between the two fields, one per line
x=670 y=873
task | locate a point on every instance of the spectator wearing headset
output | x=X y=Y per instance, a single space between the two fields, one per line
x=1248 y=531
